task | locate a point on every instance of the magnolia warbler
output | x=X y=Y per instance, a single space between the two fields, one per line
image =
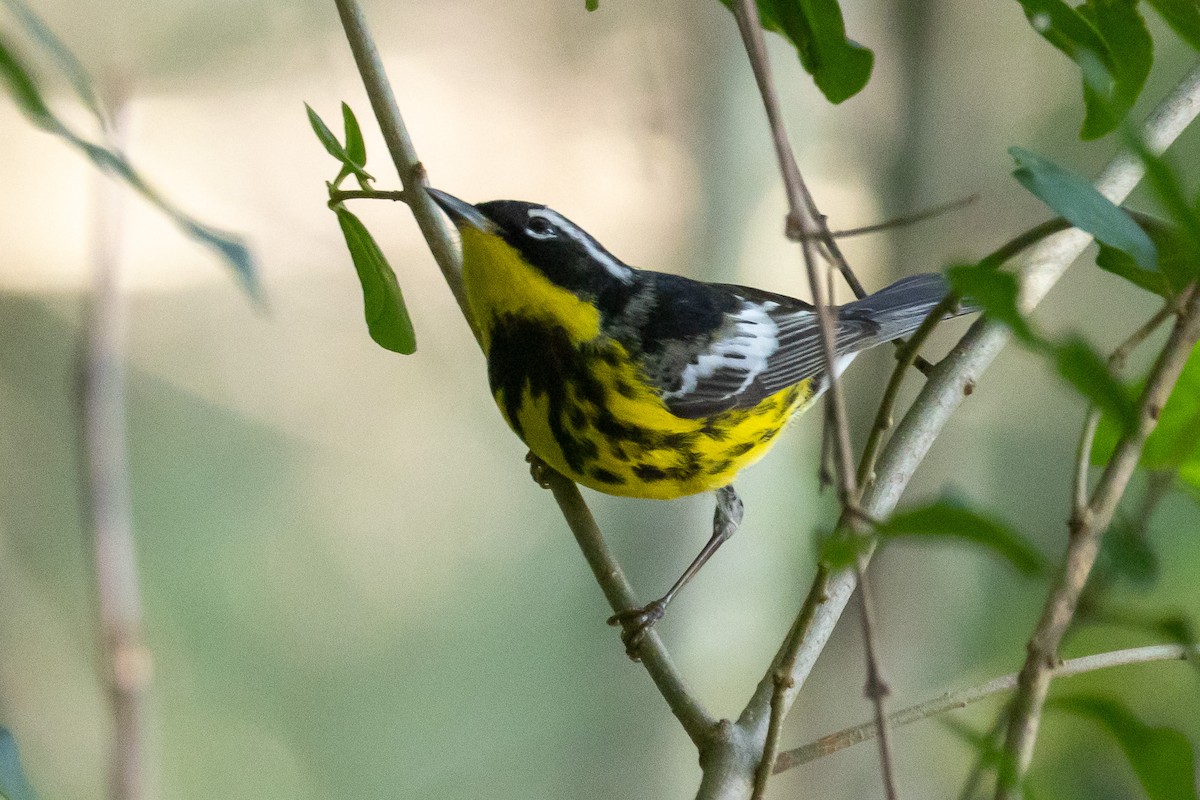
x=646 y=384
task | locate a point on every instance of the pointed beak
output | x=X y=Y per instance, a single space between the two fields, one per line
x=461 y=213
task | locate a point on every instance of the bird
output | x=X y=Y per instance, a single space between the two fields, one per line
x=648 y=384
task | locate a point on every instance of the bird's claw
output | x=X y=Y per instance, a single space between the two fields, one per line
x=635 y=623
x=539 y=470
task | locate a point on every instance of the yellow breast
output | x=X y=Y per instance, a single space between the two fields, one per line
x=581 y=404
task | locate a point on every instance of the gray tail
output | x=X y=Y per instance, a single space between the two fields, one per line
x=900 y=309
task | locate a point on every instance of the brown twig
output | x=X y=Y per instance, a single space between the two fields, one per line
x=101 y=377
x=341 y=195
x=1087 y=526
x=654 y=657
x=906 y=219
x=950 y=701
x=807 y=225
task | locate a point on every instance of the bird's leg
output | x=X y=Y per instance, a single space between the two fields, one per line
x=636 y=621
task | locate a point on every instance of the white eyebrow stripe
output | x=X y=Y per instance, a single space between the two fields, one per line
x=605 y=259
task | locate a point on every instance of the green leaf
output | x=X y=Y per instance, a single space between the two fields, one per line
x=1161 y=757
x=1131 y=53
x=1083 y=368
x=1164 y=183
x=383 y=303
x=1126 y=553
x=1175 y=260
x=24 y=88
x=949 y=518
x=996 y=292
x=1174 y=444
x=1183 y=16
x=840 y=549
x=13 y=784
x=1113 y=37
x=1075 y=199
x=335 y=149
x=839 y=66
x=78 y=77
x=356 y=148
x=591 y=5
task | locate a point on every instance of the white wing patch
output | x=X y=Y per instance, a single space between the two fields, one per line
x=602 y=257
x=744 y=353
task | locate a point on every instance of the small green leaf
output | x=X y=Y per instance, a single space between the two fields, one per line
x=996 y=292
x=383 y=303
x=13 y=784
x=948 y=518
x=356 y=148
x=335 y=149
x=1126 y=553
x=24 y=88
x=1164 y=183
x=1161 y=758
x=839 y=66
x=1183 y=16
x=591 y=5
x=1074 y=198
x=1083 y=368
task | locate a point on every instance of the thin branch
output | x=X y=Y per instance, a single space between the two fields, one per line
x=342 y=195
x=1086 y=530
x=963 y=698
x=806 y=224
x=654 y=657
x=1116 y=364
x=953 y=379
x=906 y=219
x=126 y=658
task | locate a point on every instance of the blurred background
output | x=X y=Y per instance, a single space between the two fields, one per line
x=353 y=589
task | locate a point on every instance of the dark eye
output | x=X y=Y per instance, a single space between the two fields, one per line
x=540 y=227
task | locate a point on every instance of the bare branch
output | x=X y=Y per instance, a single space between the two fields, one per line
x=963 y=698
x=695 y=720
x=1086 y=530
x=126 y=658
x=806 y=224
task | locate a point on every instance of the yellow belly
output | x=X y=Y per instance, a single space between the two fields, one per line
x=629 y=444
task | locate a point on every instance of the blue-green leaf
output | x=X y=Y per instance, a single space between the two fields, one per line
x=1077 y=200
x=383 y=302
x=1161 y=757
x=13 y=784
x=951 y=519
x=839 y=66
x=1176 y=261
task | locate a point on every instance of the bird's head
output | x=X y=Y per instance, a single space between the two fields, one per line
x=547 y=241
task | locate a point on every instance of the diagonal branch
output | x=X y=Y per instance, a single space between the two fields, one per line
x=806 y=224
x=950 y=701
x=698 y=724
x=1087 y=526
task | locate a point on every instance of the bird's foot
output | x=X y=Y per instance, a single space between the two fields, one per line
x=635 y=623
x=539 y=470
